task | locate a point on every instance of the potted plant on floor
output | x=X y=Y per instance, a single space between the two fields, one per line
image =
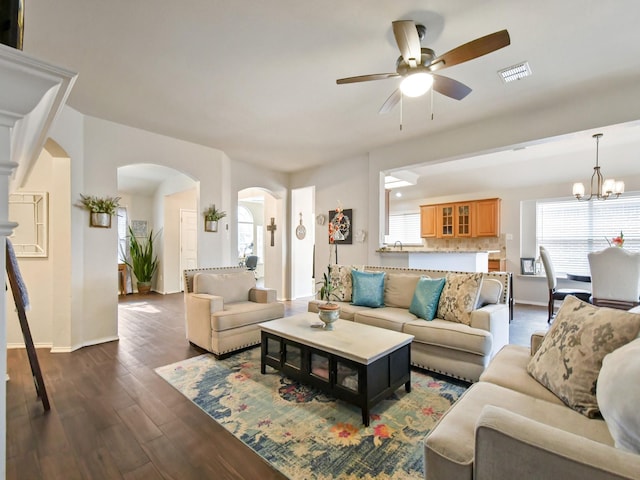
x=211 y=217
x=101 y=209
x=328 y=312
x=141 y=260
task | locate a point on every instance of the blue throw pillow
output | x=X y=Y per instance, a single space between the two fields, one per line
x=426 y=297
x=368 y=288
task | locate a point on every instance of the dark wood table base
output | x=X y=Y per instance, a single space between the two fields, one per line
x=363 y=385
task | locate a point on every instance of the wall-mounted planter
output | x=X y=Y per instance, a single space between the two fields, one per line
x=100 y=220
x=210 y=226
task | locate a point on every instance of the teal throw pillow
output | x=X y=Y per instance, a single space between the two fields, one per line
x=426 y=297
x=367 y=289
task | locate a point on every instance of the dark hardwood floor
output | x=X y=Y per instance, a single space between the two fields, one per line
x=112 y=417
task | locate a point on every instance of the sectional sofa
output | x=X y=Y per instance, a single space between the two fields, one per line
x=524 y=421
x=457 y=347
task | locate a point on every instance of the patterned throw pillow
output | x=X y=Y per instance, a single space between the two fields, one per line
x=368 y=288
x=569 y=360
x=426 y=297
x=459 y=297
x=341 y=279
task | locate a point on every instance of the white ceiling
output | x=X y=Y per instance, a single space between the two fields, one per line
x=257 y=79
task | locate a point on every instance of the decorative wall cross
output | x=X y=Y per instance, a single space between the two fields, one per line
x=272 y=228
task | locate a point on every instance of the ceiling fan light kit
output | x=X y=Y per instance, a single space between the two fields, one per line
x=416 y=65
x=603 y=188
x=416 y=84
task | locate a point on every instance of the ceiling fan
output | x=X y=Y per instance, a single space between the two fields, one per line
x=417 y=64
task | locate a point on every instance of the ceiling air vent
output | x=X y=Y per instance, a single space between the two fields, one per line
x=515 y=72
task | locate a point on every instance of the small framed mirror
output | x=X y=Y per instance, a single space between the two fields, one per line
x=31 y=211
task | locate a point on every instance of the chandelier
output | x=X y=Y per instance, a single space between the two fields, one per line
x=603 y=188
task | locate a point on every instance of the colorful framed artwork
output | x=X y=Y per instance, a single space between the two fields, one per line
x=341 y=226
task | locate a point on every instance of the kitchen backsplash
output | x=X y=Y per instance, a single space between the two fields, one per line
x=465 y=244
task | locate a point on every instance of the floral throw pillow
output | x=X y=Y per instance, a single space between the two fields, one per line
x=570 y=357
x=459 y=297
x=341 y=279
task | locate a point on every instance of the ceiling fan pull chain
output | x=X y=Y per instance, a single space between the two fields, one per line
x=432 y=104
x=401 y=97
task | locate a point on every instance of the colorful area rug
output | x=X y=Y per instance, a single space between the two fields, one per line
x=306 y=434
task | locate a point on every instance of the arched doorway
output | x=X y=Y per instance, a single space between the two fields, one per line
x=163 y=200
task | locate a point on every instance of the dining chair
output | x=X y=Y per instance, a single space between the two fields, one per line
x=556 y=293
x=251 y=262
x=615 y=278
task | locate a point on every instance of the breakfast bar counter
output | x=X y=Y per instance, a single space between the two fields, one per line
x=457 y=260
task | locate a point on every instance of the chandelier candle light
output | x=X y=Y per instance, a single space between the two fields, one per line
x=604 y=188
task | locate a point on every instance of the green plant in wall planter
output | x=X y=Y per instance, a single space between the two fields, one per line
x=101 y=209
x=141 y=260
x=211 y=218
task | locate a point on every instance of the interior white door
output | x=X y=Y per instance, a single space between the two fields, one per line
x=188 y=241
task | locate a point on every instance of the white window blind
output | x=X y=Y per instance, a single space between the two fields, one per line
x=404 y=227
x=570 y=229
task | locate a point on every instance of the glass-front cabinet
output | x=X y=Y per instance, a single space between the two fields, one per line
x=445 y=220
x=463 y=219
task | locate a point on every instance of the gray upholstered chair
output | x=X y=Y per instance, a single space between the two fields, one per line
x=615 y=278
x=251 y=262
x=552 y=282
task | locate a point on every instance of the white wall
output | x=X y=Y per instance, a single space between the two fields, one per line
x=357 y=181
x=348 y=183
x=37 y=272
x=86 y=305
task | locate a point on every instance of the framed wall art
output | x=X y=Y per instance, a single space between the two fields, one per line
x=341 y=226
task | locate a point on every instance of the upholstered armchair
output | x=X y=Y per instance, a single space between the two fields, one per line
x=223 y=308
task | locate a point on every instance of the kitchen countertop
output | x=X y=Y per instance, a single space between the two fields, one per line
x=396 y=250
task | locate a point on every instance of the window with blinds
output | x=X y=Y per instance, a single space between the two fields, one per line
x=404 y=227
x=570 y=229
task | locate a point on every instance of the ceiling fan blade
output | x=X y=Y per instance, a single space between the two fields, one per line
x=408 y=40
x=473 y=49
x=366 y=78
x=391 y=102
x=450 y=87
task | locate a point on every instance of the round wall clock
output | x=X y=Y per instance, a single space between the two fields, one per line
x=301 y=231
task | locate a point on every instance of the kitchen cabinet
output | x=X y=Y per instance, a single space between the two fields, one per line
x=487 y=218
x=445 y=220
x=477 y=218
x=462 y=219
x=428 y=221
x=497 y=265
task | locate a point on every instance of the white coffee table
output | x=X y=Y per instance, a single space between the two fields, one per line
x=357 y=363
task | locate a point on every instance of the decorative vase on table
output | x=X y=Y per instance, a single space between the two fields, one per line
x=329 y=313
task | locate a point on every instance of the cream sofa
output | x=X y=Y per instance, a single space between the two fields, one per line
x=453 y=349
x=223 y=308
x=510 y=426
